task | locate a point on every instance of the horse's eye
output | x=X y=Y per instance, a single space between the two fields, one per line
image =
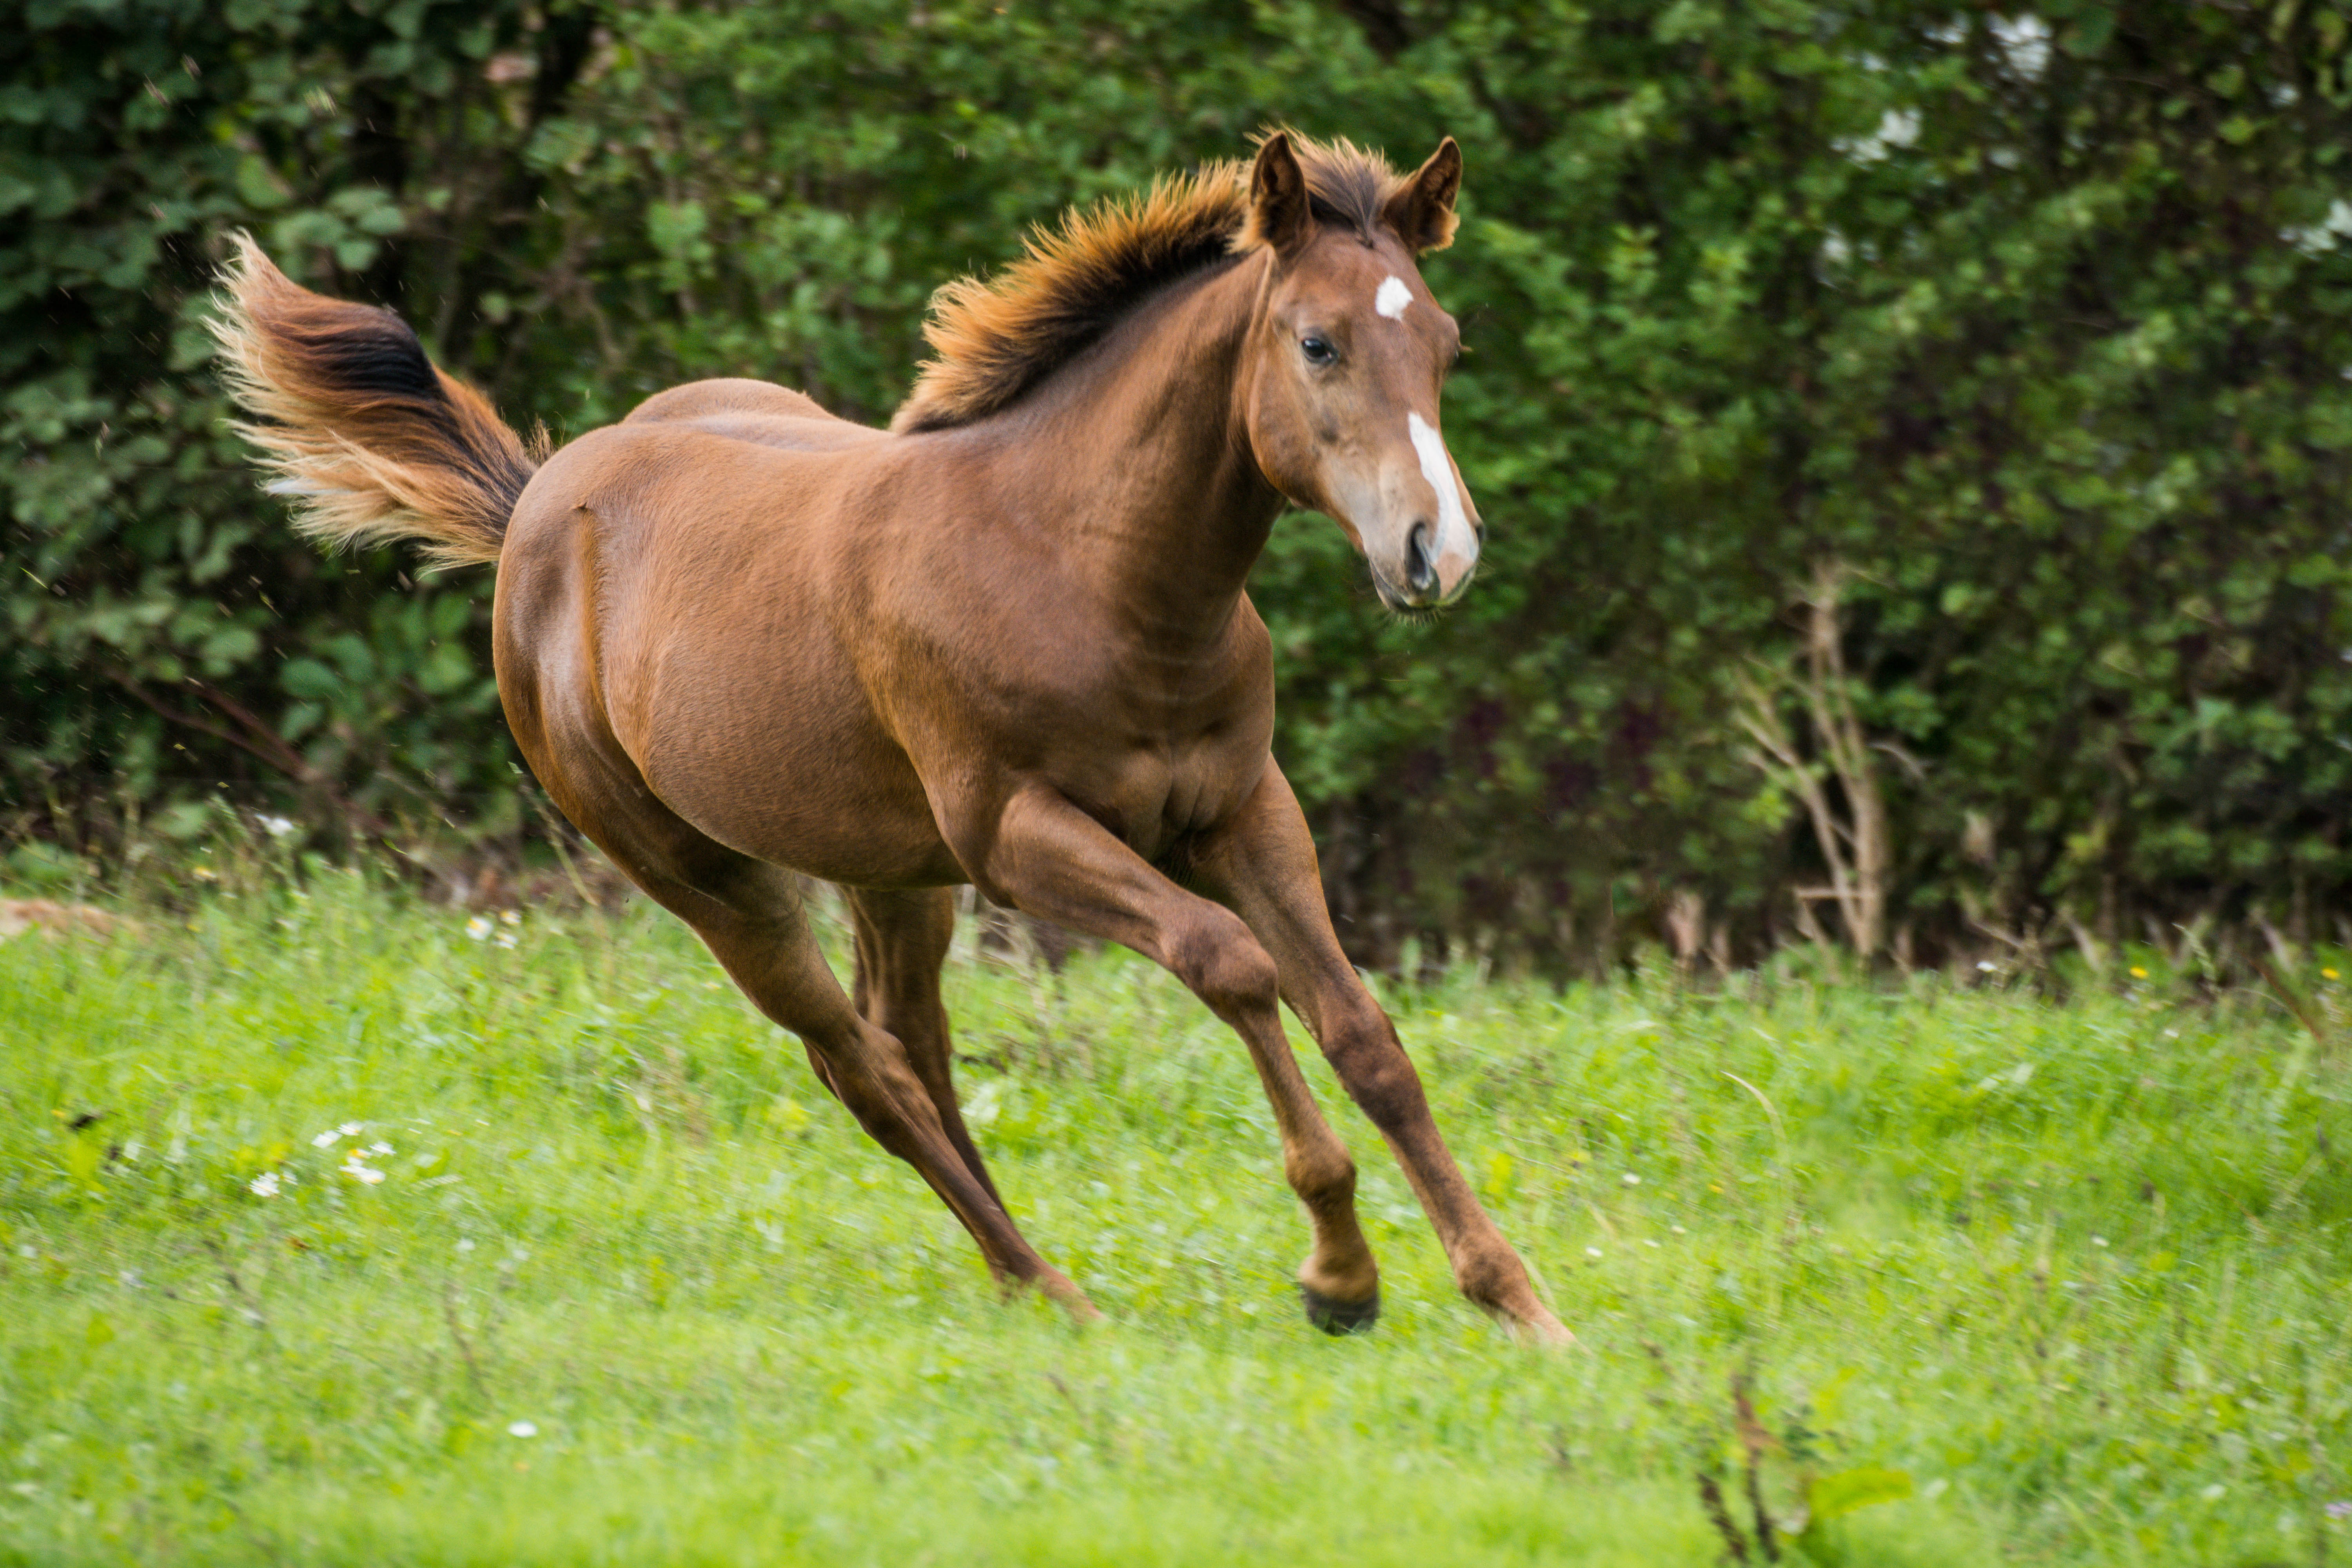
x=1318 y=351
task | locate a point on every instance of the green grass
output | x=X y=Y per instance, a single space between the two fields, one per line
x=2077 y=1269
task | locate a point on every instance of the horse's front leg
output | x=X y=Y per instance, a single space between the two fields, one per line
x=1261 y=863
x=1048 y=859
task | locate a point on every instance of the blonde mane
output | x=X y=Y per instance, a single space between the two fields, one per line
x=996 y=338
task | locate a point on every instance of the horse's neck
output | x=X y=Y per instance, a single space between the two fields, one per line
x=1146 y=465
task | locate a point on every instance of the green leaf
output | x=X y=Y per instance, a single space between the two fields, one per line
x=1849 y=1491
x=308 y=679
x=258 y=184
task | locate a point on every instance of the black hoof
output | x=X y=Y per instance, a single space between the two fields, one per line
x=1336 y=1317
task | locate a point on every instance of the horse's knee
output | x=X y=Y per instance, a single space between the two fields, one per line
x=1223 y=964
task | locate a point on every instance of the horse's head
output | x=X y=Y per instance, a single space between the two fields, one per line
x=1346 y=358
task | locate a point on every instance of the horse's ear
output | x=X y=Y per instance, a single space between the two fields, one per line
x=1282 y=216
x=1421 y=212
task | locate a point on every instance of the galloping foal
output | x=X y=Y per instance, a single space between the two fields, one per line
x=1004 y=642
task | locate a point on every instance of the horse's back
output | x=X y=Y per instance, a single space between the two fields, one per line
x=758 y=411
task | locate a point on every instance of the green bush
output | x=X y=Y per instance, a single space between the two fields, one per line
x=2034 y=328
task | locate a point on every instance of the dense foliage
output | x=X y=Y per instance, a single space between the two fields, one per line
x=2029 y=333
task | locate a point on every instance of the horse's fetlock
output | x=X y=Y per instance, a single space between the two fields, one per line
x=1495 y=1283
x=1321 y=1177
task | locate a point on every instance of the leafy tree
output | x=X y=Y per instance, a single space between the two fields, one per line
x=2028 y=330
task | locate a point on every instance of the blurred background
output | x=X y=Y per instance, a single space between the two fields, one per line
x=1913 y=438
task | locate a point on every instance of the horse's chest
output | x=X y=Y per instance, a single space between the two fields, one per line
x=1162 y=790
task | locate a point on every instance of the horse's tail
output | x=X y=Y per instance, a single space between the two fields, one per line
x=371 y=438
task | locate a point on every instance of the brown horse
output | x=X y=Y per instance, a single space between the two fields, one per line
x=1004 y=642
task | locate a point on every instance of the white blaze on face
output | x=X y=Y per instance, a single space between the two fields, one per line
x=1453 y=522
x=1392 y=298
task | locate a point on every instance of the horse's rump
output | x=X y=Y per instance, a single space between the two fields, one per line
x=756 y=411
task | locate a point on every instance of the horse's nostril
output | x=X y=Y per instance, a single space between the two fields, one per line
x=1419 y=572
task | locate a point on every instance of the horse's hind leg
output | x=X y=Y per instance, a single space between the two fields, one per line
x=750 y=915
x=902 y=940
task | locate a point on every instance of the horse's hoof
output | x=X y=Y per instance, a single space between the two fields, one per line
x=1336 y=1316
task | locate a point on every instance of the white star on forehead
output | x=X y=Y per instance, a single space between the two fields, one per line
x=1392 y=298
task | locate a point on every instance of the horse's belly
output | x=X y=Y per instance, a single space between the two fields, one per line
x=815 y=822
x=801 y=778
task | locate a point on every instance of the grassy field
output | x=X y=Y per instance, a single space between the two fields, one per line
x=398 y=1241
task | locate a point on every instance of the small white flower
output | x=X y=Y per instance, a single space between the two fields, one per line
x=506 y=939
x=1985 y=966
x=511 y=917
x=523 y=1429
x=276 y=827
x=465 y=1244
x=1678 y=1230
x=379 y=1148
x=1593 y=1253
x=2098 y=1241
x=351 y=1129
x=478 y=927
x=323 y=1139
x=1632 y=1180
x=354 y=1167
x=264 y=1186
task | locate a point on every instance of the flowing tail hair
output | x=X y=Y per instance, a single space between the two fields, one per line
x=370 y=438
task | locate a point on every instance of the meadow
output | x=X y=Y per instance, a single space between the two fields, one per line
x=340 y=1228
